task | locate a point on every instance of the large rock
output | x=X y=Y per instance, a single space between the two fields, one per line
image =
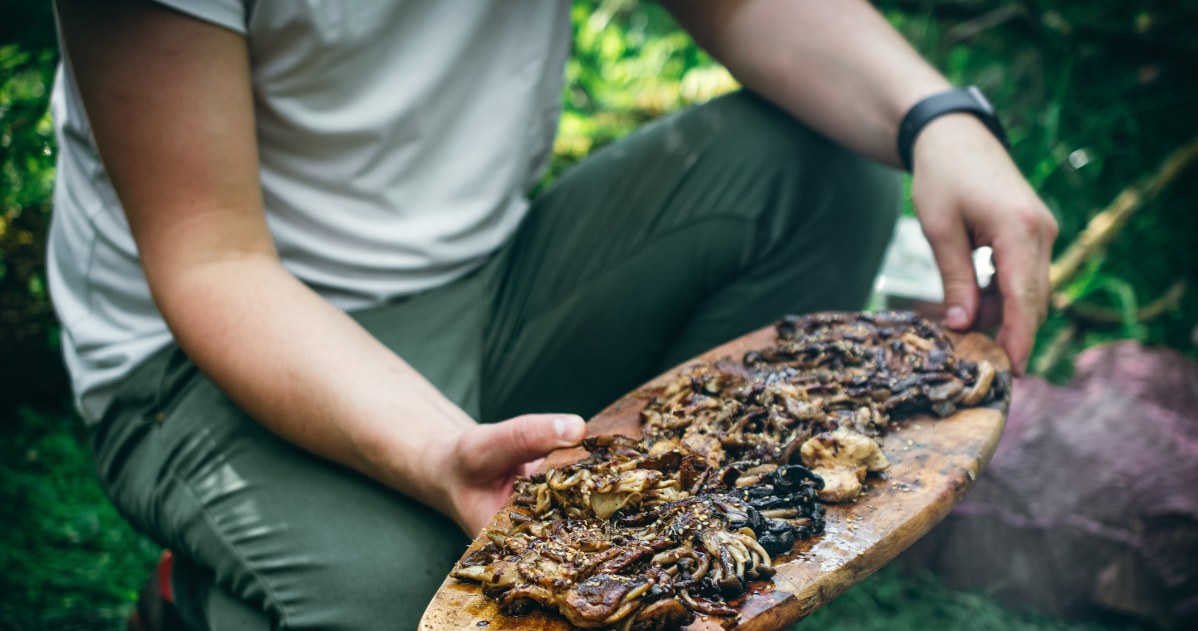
x=1090 y=505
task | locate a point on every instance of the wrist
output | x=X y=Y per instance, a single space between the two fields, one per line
x=955 y=136
x=438 y=474
x=416 y=463
x=953 y=102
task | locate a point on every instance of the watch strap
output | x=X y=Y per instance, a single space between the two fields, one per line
x=969 y=100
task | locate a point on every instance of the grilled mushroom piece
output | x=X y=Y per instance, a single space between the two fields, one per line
x=612 y=479
x=663 y=615
x=603 y=599
x=842 y=458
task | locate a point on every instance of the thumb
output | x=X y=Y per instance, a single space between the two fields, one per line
x=499 y=448
x=954 y=258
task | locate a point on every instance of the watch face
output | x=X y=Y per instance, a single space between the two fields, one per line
x=981 y=99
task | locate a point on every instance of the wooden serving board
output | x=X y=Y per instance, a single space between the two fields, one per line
x=933 y=463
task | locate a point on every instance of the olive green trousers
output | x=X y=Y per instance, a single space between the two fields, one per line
x=688 y=233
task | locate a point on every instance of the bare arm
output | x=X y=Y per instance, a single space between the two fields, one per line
x=837 y=65
x=169 y=101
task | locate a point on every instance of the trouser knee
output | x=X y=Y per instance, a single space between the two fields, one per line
x=810 y=188
x=805 y=170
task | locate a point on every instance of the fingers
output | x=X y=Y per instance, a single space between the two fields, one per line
x=969 y=193
x=1022 y=242
x=1020 y=313
x=954 y=257
x=1022 y=258
x=501 y=448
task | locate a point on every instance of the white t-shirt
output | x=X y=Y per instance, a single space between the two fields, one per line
x=397 y=142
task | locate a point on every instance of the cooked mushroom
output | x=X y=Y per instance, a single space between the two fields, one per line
x=701 y=548
x=644 y=534
x=663 y=615
x=842 y=458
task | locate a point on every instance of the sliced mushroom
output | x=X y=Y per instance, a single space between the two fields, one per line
x=977 y=393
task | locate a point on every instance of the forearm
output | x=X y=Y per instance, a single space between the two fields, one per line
x=309 y=372
x=835 y=64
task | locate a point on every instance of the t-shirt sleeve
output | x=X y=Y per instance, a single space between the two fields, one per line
x=227 y=13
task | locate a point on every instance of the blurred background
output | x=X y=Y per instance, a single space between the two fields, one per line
x=1101 y=105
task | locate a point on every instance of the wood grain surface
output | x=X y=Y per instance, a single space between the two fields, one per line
x=933 y=463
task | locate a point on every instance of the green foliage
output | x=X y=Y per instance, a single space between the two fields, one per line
x=28 y=334
x=68 y=559
x=891 y=600
x=630 y=64
x=26 y=164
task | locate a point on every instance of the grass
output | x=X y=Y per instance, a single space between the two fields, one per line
x=892 y=600
x=68 y=560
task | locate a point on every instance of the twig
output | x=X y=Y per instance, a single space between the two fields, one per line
x=984 y=22
x=1105 y=315
x=1055 y=349
x=1103 y=226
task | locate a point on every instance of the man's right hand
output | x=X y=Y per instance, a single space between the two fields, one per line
x=474 y=467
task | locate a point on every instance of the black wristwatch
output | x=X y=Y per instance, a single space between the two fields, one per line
x=968 y=100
